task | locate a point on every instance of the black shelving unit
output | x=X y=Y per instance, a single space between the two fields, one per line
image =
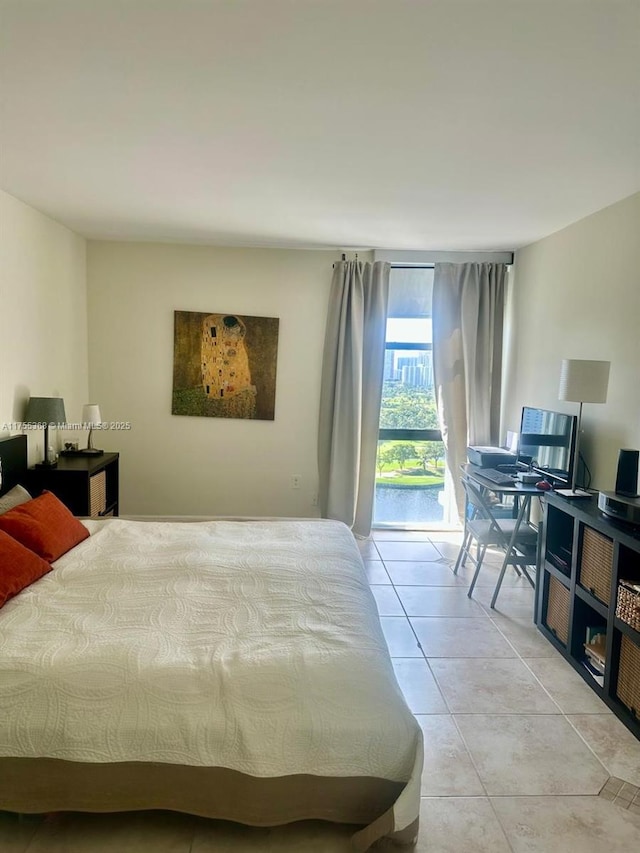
x=567 y=603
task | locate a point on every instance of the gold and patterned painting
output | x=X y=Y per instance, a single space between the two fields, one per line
x=224 y=365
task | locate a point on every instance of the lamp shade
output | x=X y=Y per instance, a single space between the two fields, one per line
x=45 y=410
x=91 y=414
x=584 y=381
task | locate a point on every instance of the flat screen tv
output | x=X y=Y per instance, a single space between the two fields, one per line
x=547 y=442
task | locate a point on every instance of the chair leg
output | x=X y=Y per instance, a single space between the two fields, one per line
x=499 y=581
x=528 y=576
x=467 y=552
x=481 y=553
x=508 y=551
x=462 y=553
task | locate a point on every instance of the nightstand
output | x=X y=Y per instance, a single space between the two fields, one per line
x=88 y=485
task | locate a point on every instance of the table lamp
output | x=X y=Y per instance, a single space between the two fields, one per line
x=47 y=411
x=582 y=381
x=91 y=418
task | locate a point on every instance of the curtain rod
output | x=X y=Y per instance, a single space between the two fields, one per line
x=344 y=258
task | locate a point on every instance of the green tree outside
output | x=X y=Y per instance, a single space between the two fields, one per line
x=404 y=407
x=431 y=451
x=415 y=464
x=402 y=453
x=386 y=456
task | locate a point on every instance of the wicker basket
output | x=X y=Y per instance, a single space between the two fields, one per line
x=557 y=619
x=628 y=688
x=97 y=494
x=628 y=607
x=596 y=564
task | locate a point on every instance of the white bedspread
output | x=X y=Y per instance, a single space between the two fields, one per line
x=253 y=645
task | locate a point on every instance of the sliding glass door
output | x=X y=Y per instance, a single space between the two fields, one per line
x=410 y=462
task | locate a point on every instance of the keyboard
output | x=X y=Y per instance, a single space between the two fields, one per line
x=496 y=477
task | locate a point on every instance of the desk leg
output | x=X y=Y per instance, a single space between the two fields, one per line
x=526 y=500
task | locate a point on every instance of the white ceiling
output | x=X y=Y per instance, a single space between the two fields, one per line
x=409 y=124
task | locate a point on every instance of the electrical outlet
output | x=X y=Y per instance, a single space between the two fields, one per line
x=314 y=499
x=296 y=479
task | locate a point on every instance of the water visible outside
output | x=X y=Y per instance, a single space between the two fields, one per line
x=408 y=506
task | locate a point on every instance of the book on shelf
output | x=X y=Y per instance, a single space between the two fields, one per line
x=559 y=562
x=598 y=650
x=597 y=676
x=595 y=647
x=596 y=663
x=594 y=631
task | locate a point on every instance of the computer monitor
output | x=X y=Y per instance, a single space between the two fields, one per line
x=547 y=442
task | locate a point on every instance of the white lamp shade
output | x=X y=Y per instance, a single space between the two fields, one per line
x=91 y=414
x=583 y=381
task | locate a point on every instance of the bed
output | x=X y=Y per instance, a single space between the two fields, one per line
x=230 y=669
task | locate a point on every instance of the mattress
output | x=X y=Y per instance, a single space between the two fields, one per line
x=248 y=651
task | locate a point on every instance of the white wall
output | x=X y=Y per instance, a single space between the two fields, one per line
x=43 y=317
x=176 y=465
x=576 y=294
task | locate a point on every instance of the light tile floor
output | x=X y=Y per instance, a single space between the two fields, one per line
x=519 y=753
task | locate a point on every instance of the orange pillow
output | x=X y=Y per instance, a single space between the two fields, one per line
x=19 y=567
x=45 y=526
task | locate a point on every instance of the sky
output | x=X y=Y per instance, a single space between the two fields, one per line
x=409 y=330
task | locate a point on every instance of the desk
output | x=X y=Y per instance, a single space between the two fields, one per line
x=523 y=493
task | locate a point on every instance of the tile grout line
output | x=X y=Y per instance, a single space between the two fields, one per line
x=435 y=680
x=500 y=824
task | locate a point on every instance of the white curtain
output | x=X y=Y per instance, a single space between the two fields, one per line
x=352 y=375
x=468 y=318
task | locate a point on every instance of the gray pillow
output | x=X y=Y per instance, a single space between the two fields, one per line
x=14 y=497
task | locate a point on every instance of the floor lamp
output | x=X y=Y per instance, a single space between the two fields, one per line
x=582 y=381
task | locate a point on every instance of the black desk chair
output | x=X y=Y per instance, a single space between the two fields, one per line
x=486 y=531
